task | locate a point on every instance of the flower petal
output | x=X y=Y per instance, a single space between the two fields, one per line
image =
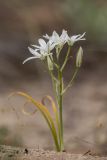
x=34 y=52
x=64 y=34
x=28 y=59
x=52 y=46
x=55 y=35
x=42 y=43
x=74 y=37
x=46 y=36
x=82 y=35
x=38 y=47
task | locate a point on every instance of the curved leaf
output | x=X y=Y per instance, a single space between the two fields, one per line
x=46 y=114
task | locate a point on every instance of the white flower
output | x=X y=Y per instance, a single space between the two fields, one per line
x=56 y=39
x=64 y=36
x=40 y=51
x=44 y=47
x=71 y=40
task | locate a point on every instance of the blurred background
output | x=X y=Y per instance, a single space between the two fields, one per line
x=22 y=22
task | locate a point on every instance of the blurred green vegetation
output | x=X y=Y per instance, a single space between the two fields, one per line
x=89 y=16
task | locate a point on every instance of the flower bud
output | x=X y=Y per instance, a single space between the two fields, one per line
x=79 y=57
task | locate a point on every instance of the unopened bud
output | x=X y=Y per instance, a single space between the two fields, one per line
x=79 y=57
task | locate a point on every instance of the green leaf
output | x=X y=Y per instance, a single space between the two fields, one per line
x=46 y=114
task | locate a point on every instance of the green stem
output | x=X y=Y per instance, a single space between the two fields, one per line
x=57 y=100
x=66 y=59
x=54 y=85
x=55 y=64
x=60 y=98
x=71 y=81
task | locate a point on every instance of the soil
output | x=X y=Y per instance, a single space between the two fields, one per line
x=15 y=153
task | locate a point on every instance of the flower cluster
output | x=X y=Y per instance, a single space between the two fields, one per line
x=44 y=48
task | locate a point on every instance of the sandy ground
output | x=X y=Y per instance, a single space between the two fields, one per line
x=13 y=153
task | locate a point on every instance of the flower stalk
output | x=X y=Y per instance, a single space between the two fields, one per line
x=60 y=109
